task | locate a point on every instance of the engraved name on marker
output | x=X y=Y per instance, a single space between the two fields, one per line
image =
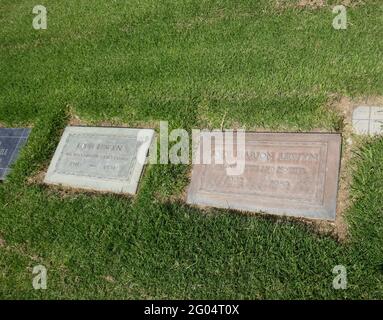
x=11 y=142
x=285 y=173
x=99 y=158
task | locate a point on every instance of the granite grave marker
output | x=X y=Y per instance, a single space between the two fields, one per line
x=11 y=142
x=100 y=158
x=368 y=120
x=285 y=173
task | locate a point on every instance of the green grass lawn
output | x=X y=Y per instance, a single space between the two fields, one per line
x=195 y=63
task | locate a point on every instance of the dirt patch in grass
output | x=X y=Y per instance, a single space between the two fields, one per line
x=341 y=106
x=66 y=191
x=314 y=4
x=109 y=279
x=311 y=3
x=172 y=198
x=37 y=178
x=28 y=125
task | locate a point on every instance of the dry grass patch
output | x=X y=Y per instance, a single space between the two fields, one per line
x=314 y=4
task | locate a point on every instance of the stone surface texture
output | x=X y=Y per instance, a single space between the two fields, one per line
x=100 y=158
x=11 y=142
x=368 y=120
x=292 y=174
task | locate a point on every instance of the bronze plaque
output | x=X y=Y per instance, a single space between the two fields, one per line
x=293 y=174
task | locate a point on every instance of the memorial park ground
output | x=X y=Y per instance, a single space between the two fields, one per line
x=258 y=65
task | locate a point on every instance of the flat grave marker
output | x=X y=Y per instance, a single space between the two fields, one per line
x=11 y=142
x=368 y=120
x=292 y=174
x=100 y=158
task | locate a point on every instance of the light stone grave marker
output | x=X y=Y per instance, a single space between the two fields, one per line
x=368 y=120
x=292 y=174
x=11 y=142
x=100 y=158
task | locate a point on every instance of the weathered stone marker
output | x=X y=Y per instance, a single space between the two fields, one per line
x=11 y=142
x=368 y=120
x=100 y=158
x=285 y=173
